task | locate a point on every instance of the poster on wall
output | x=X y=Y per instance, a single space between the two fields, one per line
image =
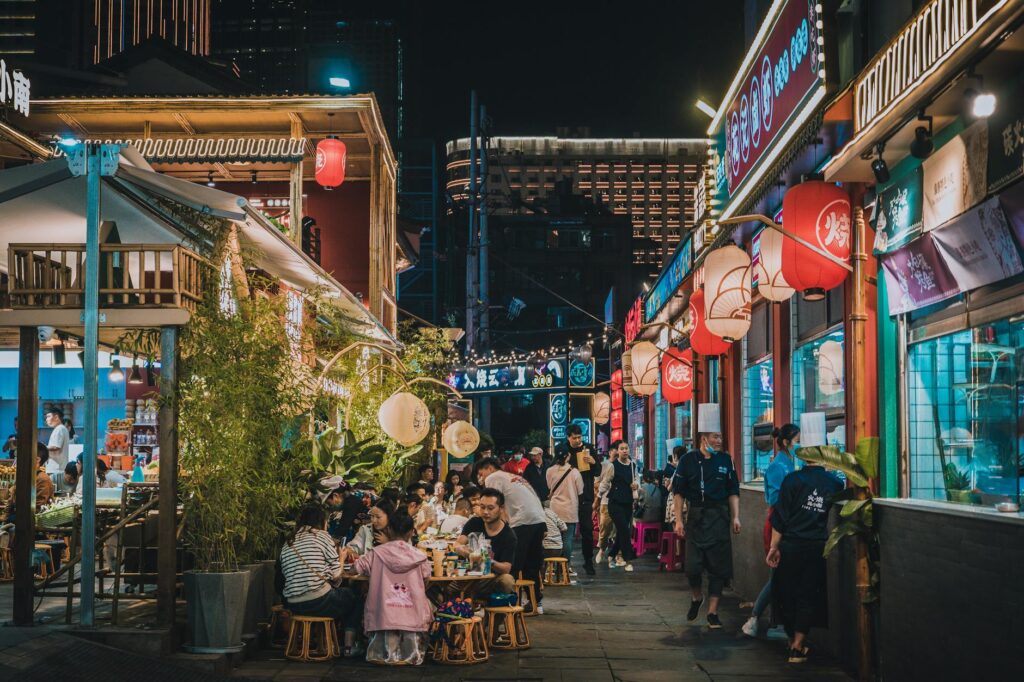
x=955 y=176
x=977 y=247
x=899 y=212
x=916 y=276
x=1012 y=202
x=1006 y=138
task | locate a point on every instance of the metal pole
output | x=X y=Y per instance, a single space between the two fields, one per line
x=471 y=265
x=91 y=319
x=483 y=331
x=167 y=553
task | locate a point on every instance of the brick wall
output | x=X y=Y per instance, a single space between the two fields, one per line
x=952 y=594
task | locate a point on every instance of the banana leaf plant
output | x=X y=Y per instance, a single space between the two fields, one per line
x=857 y=516
x=339 y=453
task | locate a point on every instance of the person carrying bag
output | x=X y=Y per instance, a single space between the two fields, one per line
x=566 y=485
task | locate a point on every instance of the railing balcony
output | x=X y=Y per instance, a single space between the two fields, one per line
x=131 y=276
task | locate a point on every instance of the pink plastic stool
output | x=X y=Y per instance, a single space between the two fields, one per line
x=641 y=543
x=670 y=557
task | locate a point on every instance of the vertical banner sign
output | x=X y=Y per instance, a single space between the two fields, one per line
x=977 y=247
x=779 y=78
x=1006 y=137
x=617 y=400
x=898 y=220
x=558 y=415
x=634 y=320
x=677 y=376
x=954 y=176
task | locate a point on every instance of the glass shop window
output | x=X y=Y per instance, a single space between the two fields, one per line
x=758 y=401
x=965 y=414
x=819 y=384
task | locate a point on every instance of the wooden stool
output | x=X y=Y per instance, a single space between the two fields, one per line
x=6 y=565
x=556 y=571
x=670 y=558
x=516 y=635
x=640 y=542
x=526 y=593
x=300 y=639
x=469 y=643
x=280 y=621
x=47 y=568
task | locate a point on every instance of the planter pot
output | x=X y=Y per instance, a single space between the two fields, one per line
x=268 y=594
x=253 y=597
x=216 y=610
x=961 y=496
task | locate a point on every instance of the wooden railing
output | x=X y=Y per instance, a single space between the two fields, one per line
x=131 y=276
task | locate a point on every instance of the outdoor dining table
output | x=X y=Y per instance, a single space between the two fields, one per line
x=436 y=586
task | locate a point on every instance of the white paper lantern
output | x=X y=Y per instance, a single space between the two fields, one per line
x=602 y=408
x=627 y=373
x=461 y=439
x=646 y=372
x=770 y=281
x=727 y=293
x=830 y=368
x=404 y=418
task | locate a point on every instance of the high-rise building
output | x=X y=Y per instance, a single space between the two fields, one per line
x=650 y=181
x=119 y=25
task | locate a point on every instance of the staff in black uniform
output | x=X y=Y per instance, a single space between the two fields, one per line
x=575 y=450
x=799 y=531
x=706 y=479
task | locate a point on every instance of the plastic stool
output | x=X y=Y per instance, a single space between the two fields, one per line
x=670 y=557
x=469 y=643
x=640 y=542
x=280 y=626
x=300 y=646
x=516 y=636
x=556 y=571
x=527 y=594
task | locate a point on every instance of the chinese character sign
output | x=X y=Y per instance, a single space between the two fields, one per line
x=677 y=376
x=15 y=88
x=553 y=374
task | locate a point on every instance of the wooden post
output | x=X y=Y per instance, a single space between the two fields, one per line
x=167 y=542
x=25 y=476
x=295 y=187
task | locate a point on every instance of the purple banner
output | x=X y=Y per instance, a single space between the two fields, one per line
x=977 y=247
x=915 y=276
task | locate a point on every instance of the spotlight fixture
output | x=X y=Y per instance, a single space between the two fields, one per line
x=923 y=144
x=209 y=180
x=116 y=374
x=879 y=167
x=134 y=375
x=981 y=102
x=253 y=176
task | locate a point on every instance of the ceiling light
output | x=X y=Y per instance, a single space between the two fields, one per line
x=253 y=176
x=116 y=374
x=134 y=376
x=706 y=108
x=981 y=102
x=879 y=167
x=923 y=144
x=340 y=82
x=209 y=180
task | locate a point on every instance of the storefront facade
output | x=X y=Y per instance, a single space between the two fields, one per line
x=937 y=140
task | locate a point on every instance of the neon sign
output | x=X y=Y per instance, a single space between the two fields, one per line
x=548 y=375
x=634 y=319
x=669 y=280
x=200 y=149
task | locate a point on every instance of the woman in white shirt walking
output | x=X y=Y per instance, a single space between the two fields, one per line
x=565 y=484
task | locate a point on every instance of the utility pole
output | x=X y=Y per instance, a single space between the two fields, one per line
x=484 y=330
x=472 y=273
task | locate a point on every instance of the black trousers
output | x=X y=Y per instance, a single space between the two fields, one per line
x=529 y=558
x=800 y=587
x=622 y=515
x=587 y=530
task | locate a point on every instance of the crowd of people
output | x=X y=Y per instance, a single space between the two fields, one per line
x=530 y=507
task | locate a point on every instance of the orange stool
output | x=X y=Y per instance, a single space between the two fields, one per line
x=469 y=643
x=526 y=594
x=280 y=626
x=305 y=630
x=556 y=571
x=513 y=635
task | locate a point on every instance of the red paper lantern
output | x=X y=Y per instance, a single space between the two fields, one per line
x=701 y=340
x=677 y=376
x=330 y=162
x=617 y=389
x=818 y=212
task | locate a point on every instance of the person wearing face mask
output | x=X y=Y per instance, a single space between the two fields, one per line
x=707 y=504
x=517 y=463
x=787 y=440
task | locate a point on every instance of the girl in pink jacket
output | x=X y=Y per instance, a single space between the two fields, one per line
x=398 y=613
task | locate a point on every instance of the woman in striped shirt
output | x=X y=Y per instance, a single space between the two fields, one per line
x=311 y=564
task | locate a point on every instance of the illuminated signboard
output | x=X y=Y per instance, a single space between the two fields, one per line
x=548 y=375
x=669 y=280
x=558 y=415
x=209 y=149
x=15 y=88
x=775 y=91
x=634 y=319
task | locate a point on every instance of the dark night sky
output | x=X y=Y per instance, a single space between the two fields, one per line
x=619 y=67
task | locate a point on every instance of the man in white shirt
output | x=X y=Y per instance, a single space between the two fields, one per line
x=525 y=516
x=58 y=446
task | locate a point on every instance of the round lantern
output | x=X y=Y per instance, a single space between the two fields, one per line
x=768 y=268
x=830 y=368
x=461 y=439
x=818 y=212
x=404 y=418
x=330 y=162
x=627 y=373
x=727 y=293
x=677 y=376
x=602 y=408
x=701 y=340
x=645 y=367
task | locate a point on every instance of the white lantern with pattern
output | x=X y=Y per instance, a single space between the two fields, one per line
x=461 y=439
x=727 y=293
x=602 y=408
x=830 y=368
x=768 y=269
x=646 y=372
x=627 y=373
x=404 y=418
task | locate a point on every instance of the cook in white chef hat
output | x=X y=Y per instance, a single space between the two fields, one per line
x=709 y=427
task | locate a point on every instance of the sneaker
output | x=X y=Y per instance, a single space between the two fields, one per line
x=750 y=627
x=572 y=571
x=620 y=562
x=611 y=562
x=798 y=655
x=589 y=569
x=714 y=623
x=694 y=609
x=357 y=650
x=540 y=609
x=628 y=568
x=777 y=633
x=600 y=556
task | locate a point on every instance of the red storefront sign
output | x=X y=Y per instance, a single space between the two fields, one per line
x=634 y=320
x=780 y=77
x=615 y=419
x=677 y=376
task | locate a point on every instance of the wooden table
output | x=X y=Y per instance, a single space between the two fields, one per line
x=436 y=586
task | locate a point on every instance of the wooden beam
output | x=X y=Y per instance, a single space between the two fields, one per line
x=167 y=540
x=295 y=185
x=70 y=318
x=184 y=123
x=25 y=476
